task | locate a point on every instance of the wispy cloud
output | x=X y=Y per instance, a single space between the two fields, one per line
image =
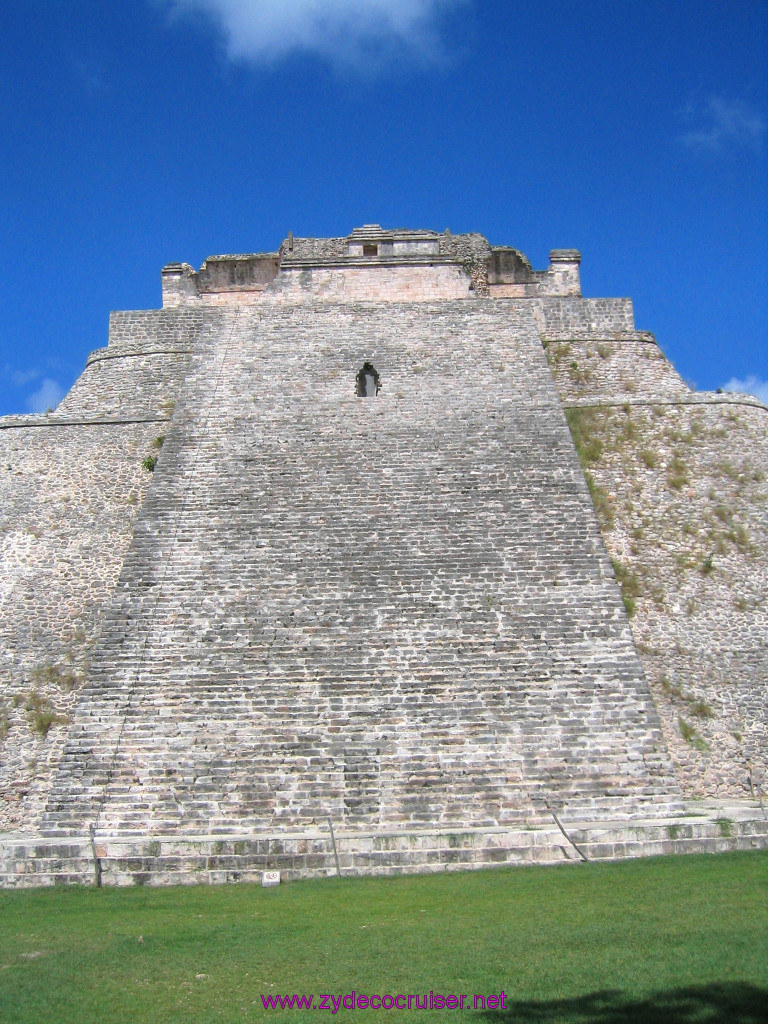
x=719 y=124
x=47 y=396
x=22 y=377
x=751 y=385
x=90 y=77
x=356 y=33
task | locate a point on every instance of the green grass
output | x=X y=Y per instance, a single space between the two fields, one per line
x=681 y=939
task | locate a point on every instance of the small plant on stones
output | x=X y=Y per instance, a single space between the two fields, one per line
x=690 y=735
x=677 y=473
x=57 y=675
x=578 y=374
x=601 y=501
x=557 y=351
x=686 y=731
x=150 y=461
x=585 y=426
x=726 y=827
x=700 y=709
x=41 y=714
x=670 y=688
x=630 y=586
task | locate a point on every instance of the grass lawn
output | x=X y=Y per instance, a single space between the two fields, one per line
x=661 y=941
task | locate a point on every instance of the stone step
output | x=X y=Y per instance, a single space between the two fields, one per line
x=400 y=609
x=139 y=859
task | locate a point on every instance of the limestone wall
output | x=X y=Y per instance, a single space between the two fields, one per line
x=680 y=481
x=373 y=283
x=695 y=533
x=632 y=367
x=70 y=499
x=71 y=487
x=397 y=611
x=138 y=374
x=224 y=859
x=373 y=265
x=566 y=318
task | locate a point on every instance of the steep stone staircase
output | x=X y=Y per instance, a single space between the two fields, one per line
x=395 y=612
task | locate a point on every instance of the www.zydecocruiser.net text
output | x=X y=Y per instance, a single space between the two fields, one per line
x=357 y=1001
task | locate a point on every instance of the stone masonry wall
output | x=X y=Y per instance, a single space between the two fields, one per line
x=70 y=499
x=395 y=611
x=71 y=487
x=375 y=283
x=374 y=265
x=680 y=482
x=138 y=374
x=632 y=367
x=569 y=317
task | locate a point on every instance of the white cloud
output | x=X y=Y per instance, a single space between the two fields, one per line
x=22 y=377
x=47 y=396
x=345 y=32
x=751 y=385
x=721 y=123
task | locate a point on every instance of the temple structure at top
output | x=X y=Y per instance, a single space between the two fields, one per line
x=372 y=264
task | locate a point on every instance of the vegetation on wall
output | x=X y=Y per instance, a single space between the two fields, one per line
x=681 y=505
x=630 y=586
x=42 y=715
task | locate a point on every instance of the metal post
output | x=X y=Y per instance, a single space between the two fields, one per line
x=576 y=848
x=333 y=841
x=96 y=858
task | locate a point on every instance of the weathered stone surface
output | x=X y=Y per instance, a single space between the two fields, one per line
x=683 y=479
x=242 y=857
x=394 y=611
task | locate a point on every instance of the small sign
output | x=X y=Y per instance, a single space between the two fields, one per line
x=100 y=851
x=270 y=878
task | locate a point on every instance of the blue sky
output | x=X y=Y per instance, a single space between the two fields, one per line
x=138 y=133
